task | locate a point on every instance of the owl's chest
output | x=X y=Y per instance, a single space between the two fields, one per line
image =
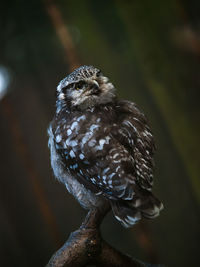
x=80 y=132
x=64 y=174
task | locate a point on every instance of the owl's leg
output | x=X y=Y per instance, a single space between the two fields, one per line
x=95 y=216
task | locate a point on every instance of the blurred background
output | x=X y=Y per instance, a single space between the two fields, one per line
x=151 y=52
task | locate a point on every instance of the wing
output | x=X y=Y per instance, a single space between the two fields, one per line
x=103 y=154
x=136 y=135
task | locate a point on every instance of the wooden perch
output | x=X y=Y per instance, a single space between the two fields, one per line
x=86 y=247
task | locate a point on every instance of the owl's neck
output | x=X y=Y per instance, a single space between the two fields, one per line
x=61 y=106
x=66 y=107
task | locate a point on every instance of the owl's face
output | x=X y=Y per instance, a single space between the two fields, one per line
x=85 y=87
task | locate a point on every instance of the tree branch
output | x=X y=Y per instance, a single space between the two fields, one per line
x=86 y=246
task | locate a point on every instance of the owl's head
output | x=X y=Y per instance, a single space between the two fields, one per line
x=85 y=87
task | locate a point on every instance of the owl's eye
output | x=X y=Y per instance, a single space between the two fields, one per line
x=65 y=88
x=80 y=85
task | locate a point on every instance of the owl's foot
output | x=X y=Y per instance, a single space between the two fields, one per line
x=95 y=216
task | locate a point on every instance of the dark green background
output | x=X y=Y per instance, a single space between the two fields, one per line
x=151 y=52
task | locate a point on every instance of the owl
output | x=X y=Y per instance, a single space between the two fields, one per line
x=102 y=147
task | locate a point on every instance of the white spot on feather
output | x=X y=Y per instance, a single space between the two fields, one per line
x=81 y=156
x=74 y=125
x=93 y=180
x=86 y=137
x=132 y=220
x=69 y=131
x=58 y=138
x=93 y=126
x=81 y=118
x=71 y=153
x=111 y=175
x=101 y=144
x=105 y=170
x=59 y=88
x=61 y=96
x=117 y=168
x=92 y=142
x=73 y=143
x=137 y=203
x=110 y=183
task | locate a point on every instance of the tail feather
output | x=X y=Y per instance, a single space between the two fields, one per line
x=150 y=206
x=130 y=212
x=124 y=214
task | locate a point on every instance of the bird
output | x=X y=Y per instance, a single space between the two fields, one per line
x=102 y=147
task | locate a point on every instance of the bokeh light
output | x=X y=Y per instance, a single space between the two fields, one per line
x=4 y=81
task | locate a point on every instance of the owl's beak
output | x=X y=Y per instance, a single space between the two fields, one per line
x=94 y=88
x=96 y=83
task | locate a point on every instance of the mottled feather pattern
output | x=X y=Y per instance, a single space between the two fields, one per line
x=140 y=140
x=102 y=157
x=90 y=152
x=108 y=149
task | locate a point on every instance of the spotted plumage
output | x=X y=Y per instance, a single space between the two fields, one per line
x=102 y=148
